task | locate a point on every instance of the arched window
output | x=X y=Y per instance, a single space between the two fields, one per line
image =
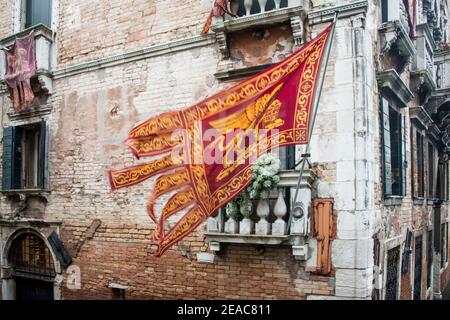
x=30 y=257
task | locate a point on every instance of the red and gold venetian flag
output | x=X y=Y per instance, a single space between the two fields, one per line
x=204 y=153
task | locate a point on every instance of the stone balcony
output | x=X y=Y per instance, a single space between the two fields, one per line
x=394 y=32
x=259 y=13
x=44 y=38
x=423 y=65
x=273 y=225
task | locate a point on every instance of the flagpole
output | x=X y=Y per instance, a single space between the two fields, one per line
x=295 y=204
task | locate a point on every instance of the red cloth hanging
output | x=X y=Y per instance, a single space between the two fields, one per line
x=21 y=67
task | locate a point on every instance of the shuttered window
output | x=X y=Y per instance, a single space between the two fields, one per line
x=384 y=11
x=394 y=150
x=25 y=157
x=38 y=11
x=420 y=165
x=431 y=172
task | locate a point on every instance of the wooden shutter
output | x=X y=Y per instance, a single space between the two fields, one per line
x=38 y=11
x=7 y=158
x=386 y=140
x=16 y=175
x=404 y=160
x=43 y=157
x=414 y=164
x=325 y=232
x=58 y=248
x=12 y=158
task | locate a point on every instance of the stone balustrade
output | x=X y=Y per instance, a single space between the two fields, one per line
x=249 y=7
x=273 y=222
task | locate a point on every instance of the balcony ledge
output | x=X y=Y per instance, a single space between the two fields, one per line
x=39 y=30
x=420 y=117
x=44 y=37
x=425 y=78
x=294 y=15
x=394 y=86
x=258 y=19
x=246 y=239
x=392 y=33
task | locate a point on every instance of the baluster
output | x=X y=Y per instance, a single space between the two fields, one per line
x=277 y=4
x=280 y=211
x=213 y=225
x=248 y=6
x=234 y=6
x=263 y=211
x=262 y=5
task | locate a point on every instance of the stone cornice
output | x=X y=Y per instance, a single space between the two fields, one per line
x=421 y=117
x=345 y=11
x=394 y=86
x=152 y=51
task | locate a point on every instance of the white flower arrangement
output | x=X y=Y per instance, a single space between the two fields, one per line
x=265 y=178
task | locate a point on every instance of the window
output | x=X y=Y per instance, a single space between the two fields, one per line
x=444 y=245
x=287 y=157
x=431 y=173
x=419 y=187
x=25 y=157
x=394 y=146
x=30 y=257
x=418 y=268
x=37 y=12
x=392 y=278
x=384 y=11
x=429 y=257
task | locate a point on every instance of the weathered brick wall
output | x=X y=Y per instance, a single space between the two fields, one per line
x=121 y=254
x=93 y=29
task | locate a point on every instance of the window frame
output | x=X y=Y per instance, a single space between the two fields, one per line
x=387 y=109
x=14 y=174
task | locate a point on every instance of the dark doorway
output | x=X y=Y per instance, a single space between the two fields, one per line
x=30 y=289
x=418 y=268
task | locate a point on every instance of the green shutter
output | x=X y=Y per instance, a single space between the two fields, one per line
x=414 y=164
x=386 y=140
x=17 y=159
x=7 y=158
x=384 y=11
x=43 y=157
x=404 y=162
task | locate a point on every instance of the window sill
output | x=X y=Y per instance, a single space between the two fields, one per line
x=418 y=201
x=393 y=200
x=27 y=192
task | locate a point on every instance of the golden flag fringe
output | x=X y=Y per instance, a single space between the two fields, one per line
x=277 y=100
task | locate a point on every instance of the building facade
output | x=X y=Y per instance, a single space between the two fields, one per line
x=375 y=196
